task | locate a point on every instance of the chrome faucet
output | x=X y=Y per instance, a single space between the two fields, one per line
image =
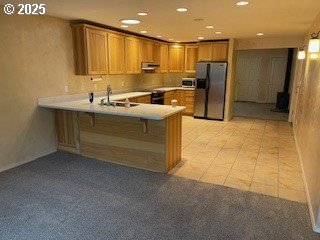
x=109 y=91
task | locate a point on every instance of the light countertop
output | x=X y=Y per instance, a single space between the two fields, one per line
x=167 y=89
x=147 y=111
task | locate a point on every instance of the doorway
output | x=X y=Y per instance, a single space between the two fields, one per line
x=260 y=75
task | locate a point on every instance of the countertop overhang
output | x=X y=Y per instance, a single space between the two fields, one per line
x=145 y=111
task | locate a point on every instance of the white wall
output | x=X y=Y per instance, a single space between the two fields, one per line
x=266 y=56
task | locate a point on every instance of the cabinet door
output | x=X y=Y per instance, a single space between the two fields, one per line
x=205 y=52
x=220 y=51
x=132 y=55
x=116 y=53
x=168 y=96
x=97 y=51
x=147 y=51
x=164 y=58
x=182 y=98
x=191 y=57
x=176 y=58
x=67 y=130
x=189 y=101
x=144 y=99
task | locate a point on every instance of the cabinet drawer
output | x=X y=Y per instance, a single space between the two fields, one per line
x=169 y=94
x=144 y=99
x=189 y=93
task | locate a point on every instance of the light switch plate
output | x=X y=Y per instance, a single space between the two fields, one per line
x=66 y=88
x=122 y=84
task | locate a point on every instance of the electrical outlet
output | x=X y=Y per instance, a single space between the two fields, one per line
x=122 y=84
x=66 y=88
x=95 y=86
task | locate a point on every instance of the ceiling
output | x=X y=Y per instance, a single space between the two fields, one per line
x=275 y=18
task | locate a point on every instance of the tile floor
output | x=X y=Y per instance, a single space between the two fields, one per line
x=248 y=154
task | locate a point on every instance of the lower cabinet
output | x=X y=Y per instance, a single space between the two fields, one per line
x=168 y=96
x=144 y=99
x=184 y=98
x=67 y=130
x=189 y=102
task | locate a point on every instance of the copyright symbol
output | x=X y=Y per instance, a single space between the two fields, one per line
x=8 y=9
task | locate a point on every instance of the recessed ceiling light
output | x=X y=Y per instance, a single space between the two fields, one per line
x=124 y=26
x=218 y=32
x=142 y=13
x=159 y=36
x=182 y=9
x=260 y=34
x=130 y=21
x=200 y=38
x=143 y=31
x=242 y=3
x=209 y=27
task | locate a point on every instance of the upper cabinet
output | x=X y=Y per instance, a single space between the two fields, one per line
x=220 y=51
x=191 y=57
x=116 y=53
x=147 y=51
x=213 y=51
x=132 y=55
x=90 y=50
x=99 y=51
x=161 y=56
x=205 y=52
x=176 y=58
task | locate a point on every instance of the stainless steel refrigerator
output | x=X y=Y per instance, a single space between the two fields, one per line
x=210 y=90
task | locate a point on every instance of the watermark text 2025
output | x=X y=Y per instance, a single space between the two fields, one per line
x=25 y=9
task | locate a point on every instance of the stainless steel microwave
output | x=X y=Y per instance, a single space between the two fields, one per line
x=188 y=82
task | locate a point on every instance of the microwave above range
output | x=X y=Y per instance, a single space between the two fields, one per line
x=188 y=82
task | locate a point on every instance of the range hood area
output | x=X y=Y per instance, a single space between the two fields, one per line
x=149 y=65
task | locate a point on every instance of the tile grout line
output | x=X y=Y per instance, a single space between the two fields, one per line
x=217 y=152
x=237 y=154
x=255 y=166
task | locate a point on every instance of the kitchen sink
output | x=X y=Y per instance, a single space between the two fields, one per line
x=119 y=104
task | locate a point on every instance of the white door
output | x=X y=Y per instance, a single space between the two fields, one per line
x=247 y=78
x=277 y=77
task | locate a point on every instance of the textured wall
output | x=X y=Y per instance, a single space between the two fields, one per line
x=267 y=43
x=36 y=60
x=307 y=128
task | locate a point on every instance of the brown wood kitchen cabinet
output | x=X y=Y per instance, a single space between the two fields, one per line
x=186 y=98
x=164 y=58
x=176 y=58
x=116 y=53
x=213 y=51
x=132 y=55
x=168 y=96
x=67 y=130
x=205 y=51
x=90 y=50
x=147 y=51
x=144 y=99
x=191 y=57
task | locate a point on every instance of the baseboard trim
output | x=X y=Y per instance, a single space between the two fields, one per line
x=29 y=159
x=312 y=217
